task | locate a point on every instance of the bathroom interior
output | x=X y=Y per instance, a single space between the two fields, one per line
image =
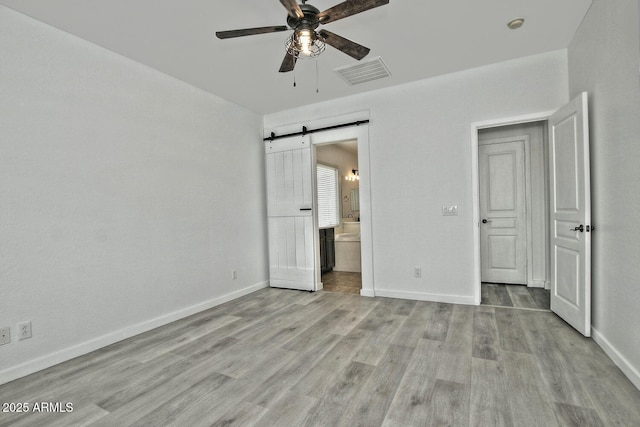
x=340 y=244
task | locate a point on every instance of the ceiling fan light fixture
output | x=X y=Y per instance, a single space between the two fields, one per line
x=305 y=43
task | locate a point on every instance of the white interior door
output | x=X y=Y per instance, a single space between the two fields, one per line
x=290 y=204
x=570 y=205
x=503 y=228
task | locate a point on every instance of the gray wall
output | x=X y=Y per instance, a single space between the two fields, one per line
x=420 y=160
x=127 y=196
x=604 y=60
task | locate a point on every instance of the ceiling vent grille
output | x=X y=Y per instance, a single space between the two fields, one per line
x=364 y=71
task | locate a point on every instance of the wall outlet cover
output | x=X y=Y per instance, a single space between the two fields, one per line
x=24 y=330
x=5 y=336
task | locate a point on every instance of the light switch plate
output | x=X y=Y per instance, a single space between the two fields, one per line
x=449 y=210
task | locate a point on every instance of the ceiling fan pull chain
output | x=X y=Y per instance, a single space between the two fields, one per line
x=317 y=77
x=294 y=77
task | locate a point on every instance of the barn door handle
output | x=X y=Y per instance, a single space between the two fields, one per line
x=579 y=228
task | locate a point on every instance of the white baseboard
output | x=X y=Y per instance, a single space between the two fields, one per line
x=367 y=293
x=69 y=353
x=419 y=296
x=633 y=373
x=536 y=284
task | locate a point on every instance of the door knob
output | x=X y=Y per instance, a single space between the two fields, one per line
x=484 y=221
x=579 y=228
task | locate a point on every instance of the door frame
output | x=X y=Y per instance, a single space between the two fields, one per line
x=361 y=134
x=475 y=184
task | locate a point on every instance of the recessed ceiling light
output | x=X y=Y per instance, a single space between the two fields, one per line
x=516 y=23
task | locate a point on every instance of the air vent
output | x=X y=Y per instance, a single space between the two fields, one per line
x=364 y=71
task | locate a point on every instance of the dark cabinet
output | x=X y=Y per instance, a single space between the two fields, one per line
x=327 y=250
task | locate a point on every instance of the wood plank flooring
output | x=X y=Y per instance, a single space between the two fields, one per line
x=518 y=296
x=289 y=358
x=342 y=281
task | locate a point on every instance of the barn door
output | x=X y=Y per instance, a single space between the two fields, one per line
x=290 y=205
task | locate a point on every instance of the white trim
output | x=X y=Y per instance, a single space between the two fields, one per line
x=69 y=353
x=538 y=284
x=419 y=296
x=367 y=293
x=475 y=211
x=631 y=372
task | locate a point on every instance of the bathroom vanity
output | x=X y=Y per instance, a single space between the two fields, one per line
x=327 y=250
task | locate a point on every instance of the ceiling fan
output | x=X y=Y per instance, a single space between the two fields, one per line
x=305 y=41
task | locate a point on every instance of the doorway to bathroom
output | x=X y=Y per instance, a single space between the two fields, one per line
x=340 y=247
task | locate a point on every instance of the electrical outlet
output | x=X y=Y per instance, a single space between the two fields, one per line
x=24 y=330
x=417 y=272
x=234 y=274
x=5 y=336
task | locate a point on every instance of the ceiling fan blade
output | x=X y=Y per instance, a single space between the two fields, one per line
x=348 y=8
x=288 y=63
x=352 y=49
x=293 y=8
x=250 y=31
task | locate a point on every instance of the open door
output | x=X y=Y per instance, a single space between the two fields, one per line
x=290 y=213
x=570 y=204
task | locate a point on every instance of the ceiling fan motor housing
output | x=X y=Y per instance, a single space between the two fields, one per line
x=309 y=21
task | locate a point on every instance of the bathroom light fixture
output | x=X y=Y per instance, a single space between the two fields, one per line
x=355 y=176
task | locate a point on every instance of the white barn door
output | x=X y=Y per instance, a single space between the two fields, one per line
x=571 y=214
x=290 y=204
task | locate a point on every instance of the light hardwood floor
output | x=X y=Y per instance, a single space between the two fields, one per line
x=289 y=358
x=519 y=296
x=342 y=281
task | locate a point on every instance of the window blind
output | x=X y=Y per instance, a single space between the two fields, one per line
x=328 y=197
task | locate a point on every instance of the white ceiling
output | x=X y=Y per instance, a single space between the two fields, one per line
x=417 y=39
